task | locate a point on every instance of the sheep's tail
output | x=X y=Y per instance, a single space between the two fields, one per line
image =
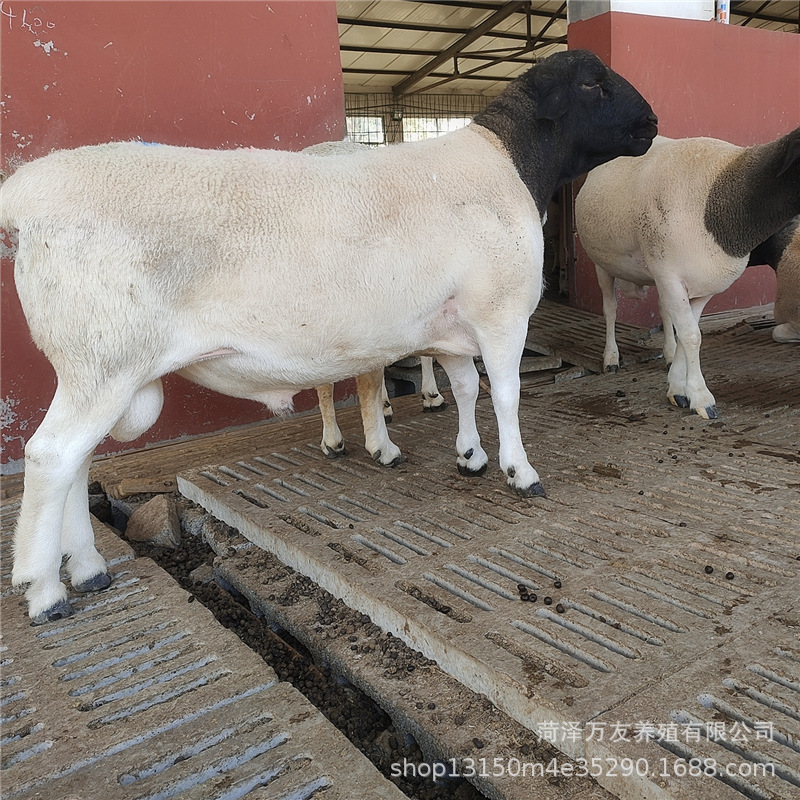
x=7 y=214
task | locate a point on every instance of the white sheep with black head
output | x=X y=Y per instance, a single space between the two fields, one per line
x=259 y=273
x=685 y=218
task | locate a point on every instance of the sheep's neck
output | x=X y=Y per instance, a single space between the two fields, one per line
x=534 y=146
x=771 y=250
x=748 y=202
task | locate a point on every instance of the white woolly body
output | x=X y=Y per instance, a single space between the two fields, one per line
x=655 y=221
x=260 y=273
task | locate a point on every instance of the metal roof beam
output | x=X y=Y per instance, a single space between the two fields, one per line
x=480 y=55
x=356 y=71
x=490 y=22
x=562 y=10
x=736 y=8
x=411 y=26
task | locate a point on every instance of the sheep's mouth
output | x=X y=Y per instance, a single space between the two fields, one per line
x=641 y=141
x=646 y=133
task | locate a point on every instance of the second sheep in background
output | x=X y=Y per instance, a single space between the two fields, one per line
x=685 y=218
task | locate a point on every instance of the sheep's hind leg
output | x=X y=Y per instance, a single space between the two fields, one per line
x=85 y=566
x=608 y=290
x=670 y=345
x=786 y=332
x=464 y=382
x=787 y=295
x=687 y=387
x=431 y=399
x=332 y=444
x=371 y=389
x=54 y=514
x=55 y=459
x=386 y=403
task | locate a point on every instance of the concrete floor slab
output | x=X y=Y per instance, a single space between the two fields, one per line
x=446 y=719
x=665 y=541
x=142 y=694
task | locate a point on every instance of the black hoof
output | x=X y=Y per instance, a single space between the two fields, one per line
x=434 y=409
x=376 y=456
x=59 y=611
x=100 y=581
x=709 y=412
x=335 y=453
x=534 y=490
x=471 y=473
x=681 y=401
x=612 y=368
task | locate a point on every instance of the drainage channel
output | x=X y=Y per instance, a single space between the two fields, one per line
x=142 y=694
x=642 y=619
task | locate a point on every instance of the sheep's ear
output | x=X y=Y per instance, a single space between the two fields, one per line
x=552 y=104
x=792 y=155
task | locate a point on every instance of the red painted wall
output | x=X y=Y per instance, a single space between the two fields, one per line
x=212 y=74
x=702 y=79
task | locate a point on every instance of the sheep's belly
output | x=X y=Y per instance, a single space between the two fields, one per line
x=269 y=381
x=450 y=333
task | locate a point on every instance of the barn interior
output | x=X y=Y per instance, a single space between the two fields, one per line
x=285 y=625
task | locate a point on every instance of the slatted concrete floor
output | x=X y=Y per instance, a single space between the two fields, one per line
x=144 y=695
x=641 y=654
x=641 y=498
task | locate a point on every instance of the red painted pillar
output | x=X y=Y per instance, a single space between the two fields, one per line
x=702 y=78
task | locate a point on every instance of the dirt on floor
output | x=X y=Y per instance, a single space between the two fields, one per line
x=364 y=723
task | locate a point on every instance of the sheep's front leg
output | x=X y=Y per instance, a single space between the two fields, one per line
x=687 y=387
x=501 y=356
x=371 y=389
x=464 y=383
x=431 y=399
x=608 y=290
x=332 y=444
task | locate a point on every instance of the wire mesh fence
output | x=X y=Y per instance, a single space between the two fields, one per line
x=380 y=119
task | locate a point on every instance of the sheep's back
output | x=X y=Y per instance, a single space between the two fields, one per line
x=162 y=238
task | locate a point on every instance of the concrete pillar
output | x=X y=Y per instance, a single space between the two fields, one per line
x=678 y=9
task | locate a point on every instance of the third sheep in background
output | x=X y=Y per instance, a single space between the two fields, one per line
x=782 y=252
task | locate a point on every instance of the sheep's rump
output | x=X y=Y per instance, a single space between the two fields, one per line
x=310 y=269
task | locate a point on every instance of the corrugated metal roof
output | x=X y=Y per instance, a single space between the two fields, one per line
x=474 y=47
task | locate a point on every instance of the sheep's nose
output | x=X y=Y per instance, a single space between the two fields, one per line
x=652 y=118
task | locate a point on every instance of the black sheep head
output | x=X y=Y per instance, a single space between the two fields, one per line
x=566 y=115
